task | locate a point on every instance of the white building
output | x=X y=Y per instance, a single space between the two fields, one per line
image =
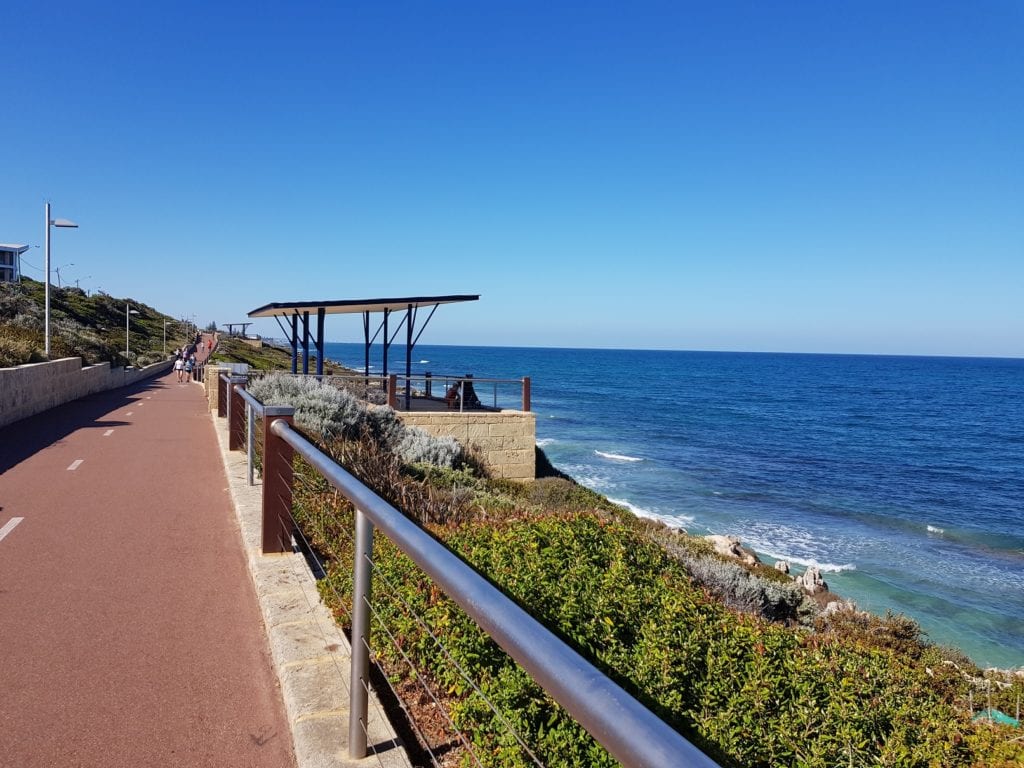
x=10 y=262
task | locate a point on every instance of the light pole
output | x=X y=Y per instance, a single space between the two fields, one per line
x=51 y=223
x=165 y=336
x=128 y=312
x=58 y=269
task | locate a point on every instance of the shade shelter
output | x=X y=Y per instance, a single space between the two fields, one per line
x=290 y=315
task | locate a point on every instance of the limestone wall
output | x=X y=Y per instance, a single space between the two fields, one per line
x=504 y=440
x=30 y=389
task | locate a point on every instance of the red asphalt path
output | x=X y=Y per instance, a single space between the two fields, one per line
x=130 y=634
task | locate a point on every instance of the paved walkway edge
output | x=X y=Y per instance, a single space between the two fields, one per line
x=311 y=654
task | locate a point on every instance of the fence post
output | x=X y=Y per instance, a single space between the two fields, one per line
x=235 y=413
x=428 y=383
x=526 y=393
x=222 y=398
x=250 y=441
x=359 y=675
x=277 y=482
x=393 y=390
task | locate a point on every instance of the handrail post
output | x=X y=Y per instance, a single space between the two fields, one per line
x=250 y=442
x=526 y=393
x=428 y=383
x=235 y=413
x=393 y=390
x=359 y=676
x=277 y=482
x=222 y=398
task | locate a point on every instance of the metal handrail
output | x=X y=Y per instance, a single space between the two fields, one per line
x=626 y=728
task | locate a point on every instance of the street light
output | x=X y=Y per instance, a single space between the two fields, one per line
x=58 y=269
x=165 y=335
x=128 y=312
x=51 y=223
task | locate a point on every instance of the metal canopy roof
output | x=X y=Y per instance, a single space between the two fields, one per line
x=284 y=308
x=298 y=313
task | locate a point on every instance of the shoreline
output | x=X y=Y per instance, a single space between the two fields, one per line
x=827 y=571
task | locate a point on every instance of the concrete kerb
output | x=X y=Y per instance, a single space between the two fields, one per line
x=310 y=653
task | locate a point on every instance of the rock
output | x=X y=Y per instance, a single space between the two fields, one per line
x=782 y=566
x=726 y=546
x=811 y=581
x=730 y=546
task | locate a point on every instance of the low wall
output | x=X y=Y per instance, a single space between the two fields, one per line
x=505 y=440
x=30 y=389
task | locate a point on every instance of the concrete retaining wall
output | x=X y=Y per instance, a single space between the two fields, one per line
x=504 y=440
x=30 y=389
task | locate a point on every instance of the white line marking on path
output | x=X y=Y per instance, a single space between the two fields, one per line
x=108 y=433
x=129 y=413
x=141 y=404
x=75 y=465
x=10 y=526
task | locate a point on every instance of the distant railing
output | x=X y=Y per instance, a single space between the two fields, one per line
x=459 y=393
x=630 y=732
x=430 y=392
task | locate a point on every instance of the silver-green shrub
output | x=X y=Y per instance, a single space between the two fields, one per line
x=334 y=413
x=740 y=589
x=419 y=447
x=318 y=408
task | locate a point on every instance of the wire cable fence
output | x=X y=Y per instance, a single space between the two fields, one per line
x=631 y=733
x=434 y=745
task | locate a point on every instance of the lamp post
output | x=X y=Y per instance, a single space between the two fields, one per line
x=165 y=337
x=51 y=223
x=58 y=269
x=128 y=312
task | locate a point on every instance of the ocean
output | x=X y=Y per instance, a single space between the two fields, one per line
x=901 y=478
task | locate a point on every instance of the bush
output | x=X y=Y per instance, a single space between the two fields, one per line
x=335 y=414
x=419 y=447
x=743 y=591
x=19 y=346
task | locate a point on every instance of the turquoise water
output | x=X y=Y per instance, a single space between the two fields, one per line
x=902 y=478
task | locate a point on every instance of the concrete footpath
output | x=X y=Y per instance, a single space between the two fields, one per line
x=309 y=650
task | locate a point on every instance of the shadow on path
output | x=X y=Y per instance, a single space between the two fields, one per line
x=22 y=439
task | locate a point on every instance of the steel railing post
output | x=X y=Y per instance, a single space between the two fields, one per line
x=360 y=671
x=250 y=441
x=222 y=398
x=393 y=390
x=277 y=482
x=526 y=393
x=235 y=413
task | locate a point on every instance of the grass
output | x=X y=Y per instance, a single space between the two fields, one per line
x=88 y=326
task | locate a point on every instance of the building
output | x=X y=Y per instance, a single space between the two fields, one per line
x=10 y=262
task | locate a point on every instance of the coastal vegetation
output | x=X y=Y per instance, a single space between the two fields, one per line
x=731 y=654
x=81 y=325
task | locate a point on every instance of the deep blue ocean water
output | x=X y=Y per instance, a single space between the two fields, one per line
x=902 y=478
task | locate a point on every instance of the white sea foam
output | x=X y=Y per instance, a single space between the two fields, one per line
x=545 y=441
x=584 y=475
x=424 y=361
x=616 y=456
x=936 y=529
x=792 y=543
x=810 y=561
x=673 y=519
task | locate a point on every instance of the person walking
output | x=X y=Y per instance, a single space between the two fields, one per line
x=179 y=366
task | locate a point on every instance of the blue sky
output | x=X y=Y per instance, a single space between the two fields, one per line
x=802 y=176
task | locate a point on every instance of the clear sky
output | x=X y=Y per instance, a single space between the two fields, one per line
x=768 y=176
